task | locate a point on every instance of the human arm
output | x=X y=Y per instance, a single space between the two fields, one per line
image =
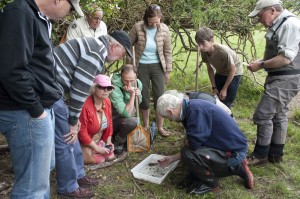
x=133 y=39
x=73 y=31
x=167 y=160
x=211 y=75
x=19 y=45
x=275 y=62
x=167 y=49
x=134 y=92
x=223 y=92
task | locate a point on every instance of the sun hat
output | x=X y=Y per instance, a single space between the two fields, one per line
x=75 y=4
x=261 y=4
x=123 y=39
x=103 y=80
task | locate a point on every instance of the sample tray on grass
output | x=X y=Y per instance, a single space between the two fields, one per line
x=149 y=170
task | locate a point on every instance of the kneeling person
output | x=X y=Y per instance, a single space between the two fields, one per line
x=123 y=100
x=215 y=146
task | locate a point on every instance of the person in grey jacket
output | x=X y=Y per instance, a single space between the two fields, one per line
x=152 y=42
x=28 y=89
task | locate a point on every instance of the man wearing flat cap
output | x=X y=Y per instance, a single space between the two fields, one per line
x=282 y=63
x=28 y=90
x=78 y=61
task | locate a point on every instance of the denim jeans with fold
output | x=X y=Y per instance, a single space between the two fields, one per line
x=69 y=159
x=31 y=144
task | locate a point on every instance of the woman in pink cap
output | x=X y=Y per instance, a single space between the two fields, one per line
x=96 y=123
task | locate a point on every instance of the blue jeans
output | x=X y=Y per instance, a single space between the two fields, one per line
x=69 y=159
x=31 y=144
x=231 y=90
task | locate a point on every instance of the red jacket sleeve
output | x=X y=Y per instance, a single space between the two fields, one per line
x=83 y=135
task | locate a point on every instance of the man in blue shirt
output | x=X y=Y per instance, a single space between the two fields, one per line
x=215 y=145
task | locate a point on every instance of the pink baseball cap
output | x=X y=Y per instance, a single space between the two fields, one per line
x=103 y=80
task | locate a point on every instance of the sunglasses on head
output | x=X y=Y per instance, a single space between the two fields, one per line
x=104 y=88
x=154 y=7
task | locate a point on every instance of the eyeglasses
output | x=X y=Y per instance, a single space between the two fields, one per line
x=104 y=88
x=96 y=18
x=262 y=11
x=154 y=7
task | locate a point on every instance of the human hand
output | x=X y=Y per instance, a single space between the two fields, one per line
x=254 y=66
x=103 y=150
x=44 y=115
x=223 y=94
x=112 y=146
x=215 y=92
x=166 y=161
x=167 y=78
x=71 y=137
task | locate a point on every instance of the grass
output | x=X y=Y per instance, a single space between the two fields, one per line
x=271 y=181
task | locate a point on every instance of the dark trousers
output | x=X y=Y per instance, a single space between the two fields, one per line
x=232 y=88
x=206 y=164
x=122 y=127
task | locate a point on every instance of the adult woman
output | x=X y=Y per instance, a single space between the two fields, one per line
x=96 y=123
x=152 y=42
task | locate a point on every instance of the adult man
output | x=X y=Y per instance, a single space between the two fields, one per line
x=91 y=25
x=78 y=62
x=123 y=101
x=28 y=89
x=282 y=62
x=215 y=145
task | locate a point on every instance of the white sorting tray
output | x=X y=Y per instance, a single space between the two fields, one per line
x=153 y=172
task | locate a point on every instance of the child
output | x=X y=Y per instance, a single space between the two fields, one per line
x=226 y=80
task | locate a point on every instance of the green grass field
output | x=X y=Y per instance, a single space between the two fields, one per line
x=271 y=181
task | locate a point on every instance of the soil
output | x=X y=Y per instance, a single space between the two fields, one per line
x=6 y=174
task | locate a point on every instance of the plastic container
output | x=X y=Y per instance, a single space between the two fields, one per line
x=149 y=170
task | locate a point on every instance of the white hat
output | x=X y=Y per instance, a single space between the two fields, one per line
x=261 y=4
x=75 y=4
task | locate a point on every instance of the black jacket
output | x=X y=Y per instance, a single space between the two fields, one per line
x=27 y=70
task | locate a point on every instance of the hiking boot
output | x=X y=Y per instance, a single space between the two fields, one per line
x=202 y=188
x=83 y=193
x=254 y=161
x=244 y=172
x=87 y=182
x=275 y=159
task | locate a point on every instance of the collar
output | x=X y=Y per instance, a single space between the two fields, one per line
x=184 y=106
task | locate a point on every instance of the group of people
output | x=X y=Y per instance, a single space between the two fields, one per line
x=58 y=109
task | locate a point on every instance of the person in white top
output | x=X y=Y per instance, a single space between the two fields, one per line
x=91 y=25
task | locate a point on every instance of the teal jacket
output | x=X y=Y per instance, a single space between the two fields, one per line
x=119 y=97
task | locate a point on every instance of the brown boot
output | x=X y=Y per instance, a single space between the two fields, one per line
x=84 y=193
x=87 y=182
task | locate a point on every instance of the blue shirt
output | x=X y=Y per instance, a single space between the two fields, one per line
x=150 y=54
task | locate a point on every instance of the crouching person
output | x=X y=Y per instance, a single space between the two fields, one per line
x=96 y=127
x=215 y=146
x=127 y=89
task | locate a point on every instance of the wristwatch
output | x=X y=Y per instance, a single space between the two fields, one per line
x=262 y=65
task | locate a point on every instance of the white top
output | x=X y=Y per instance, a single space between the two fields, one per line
x=80 y=28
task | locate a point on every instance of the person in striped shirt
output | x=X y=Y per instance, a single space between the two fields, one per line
x=78 y=61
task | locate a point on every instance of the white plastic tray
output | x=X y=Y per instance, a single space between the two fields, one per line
x=153 y=172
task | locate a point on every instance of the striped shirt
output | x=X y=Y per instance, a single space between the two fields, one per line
x=78 y=61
